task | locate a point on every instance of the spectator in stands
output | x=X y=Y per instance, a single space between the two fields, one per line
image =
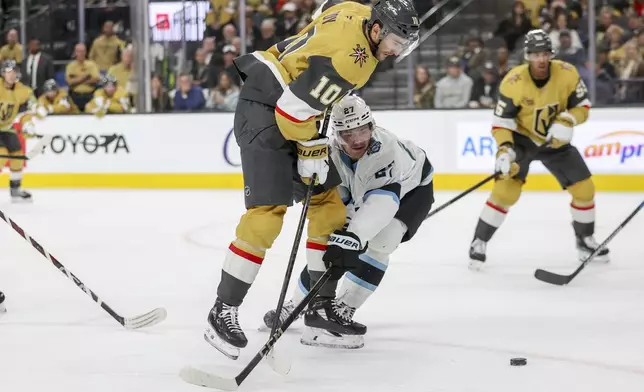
x=110 y=98
x=160 y=98
x=561 y=24
x=230 y=52
x=503 y=61
x=221 y=13
x=224 y=96
x=106 y=48
x=267 y=38
x=123 y=70
x=629 y=67
x=614 y=38
x=252 y=34
x=81 y=75
x=515 y=26
x=640 y=42
x=569 y=53
x=635 y=24
x=54 y=100
x=229 y=32
x=201 y=72
x=454 y=90
x=604 y=67
x=605 y=21
x=38 y=68
x=485 y=91
x=214 y=58
x=287 y=21
x=187 y=97
x=424 y=89
x=13 y=49
x=472 y=56
x=237 y=43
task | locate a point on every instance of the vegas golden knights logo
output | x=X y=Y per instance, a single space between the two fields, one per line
x=6 y=111
x=543 y=117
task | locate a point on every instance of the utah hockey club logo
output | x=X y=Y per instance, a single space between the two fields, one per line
x=360 y=55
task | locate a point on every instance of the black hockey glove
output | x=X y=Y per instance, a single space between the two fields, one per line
x=342 y=253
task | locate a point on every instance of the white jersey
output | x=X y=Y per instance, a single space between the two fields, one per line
x=374 y=185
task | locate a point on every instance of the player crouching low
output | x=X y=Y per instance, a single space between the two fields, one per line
x=16 y=104
x=111 y=98
x=55 y=100
x=539 y=104
x=388 y=189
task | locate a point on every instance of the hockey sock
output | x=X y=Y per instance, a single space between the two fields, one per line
x=240 y=268
x=15 y=179
x=316 y=267
x=359 y=284
x=490 y=220
x=583 y=218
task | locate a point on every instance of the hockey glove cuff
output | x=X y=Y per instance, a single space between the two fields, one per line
x=313 y=158
x=561 y=131
x=342 y=254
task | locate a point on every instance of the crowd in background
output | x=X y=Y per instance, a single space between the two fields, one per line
x=100 y=77
x=475 y=70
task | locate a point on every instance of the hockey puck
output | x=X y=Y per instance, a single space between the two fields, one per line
x=518 y=362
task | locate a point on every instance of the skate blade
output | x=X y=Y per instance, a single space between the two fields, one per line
x=20 y=200
x=475 y=265
x=222 y=346
x=316 y=337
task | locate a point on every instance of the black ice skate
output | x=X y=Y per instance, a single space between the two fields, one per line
x=224 y=332
x=18 y=195
x=270 y=316
x=2 y=308
x=477 y=254
x=587 y=245
x=329 y=324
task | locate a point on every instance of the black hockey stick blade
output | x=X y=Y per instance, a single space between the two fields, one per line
x=562 y=280
x=210 y=380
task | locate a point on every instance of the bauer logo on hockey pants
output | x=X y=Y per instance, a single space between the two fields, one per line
x=344 y=242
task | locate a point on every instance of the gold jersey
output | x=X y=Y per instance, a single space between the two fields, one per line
x=61 y=104
x=528 y=109
x=317 y=67
x=101 y=103
x=15 y=106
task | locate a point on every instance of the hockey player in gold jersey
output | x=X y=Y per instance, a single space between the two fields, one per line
x=539 y=105
x=111 y=98
x=16 y=104
x=286 y=89
x=55 y=100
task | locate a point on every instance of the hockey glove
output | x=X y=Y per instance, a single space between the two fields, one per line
x=313 y=158
x=505 y=162
x=342 y=253
x=561 y=130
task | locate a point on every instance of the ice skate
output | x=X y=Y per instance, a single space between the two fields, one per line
x=329 y=324
x=269 y=317
x=224 y=332
x=477 y=254
x=587 y=245
x=2 y=307
x=19 y=195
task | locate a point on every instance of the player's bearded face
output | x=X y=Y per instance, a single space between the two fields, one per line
x=539 y=63
x=355 y=142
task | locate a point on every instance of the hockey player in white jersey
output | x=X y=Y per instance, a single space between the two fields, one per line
x=388 y=190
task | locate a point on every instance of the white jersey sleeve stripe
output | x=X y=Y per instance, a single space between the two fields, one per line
x=507 y=123
x=295 y=107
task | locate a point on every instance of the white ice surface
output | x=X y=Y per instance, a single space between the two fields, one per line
x=433 y=324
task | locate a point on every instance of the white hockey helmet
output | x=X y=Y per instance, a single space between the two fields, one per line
x=350 y=113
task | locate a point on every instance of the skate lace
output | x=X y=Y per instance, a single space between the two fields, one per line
x=229 y=315
x=478 y=246
x=591 y=242
x=343 y=310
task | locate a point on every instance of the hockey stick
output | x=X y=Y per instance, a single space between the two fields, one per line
x=209 y=380
x=35 y=151
x=561 y=280
x=463 y=194
x=283 y=366
x=144 y=320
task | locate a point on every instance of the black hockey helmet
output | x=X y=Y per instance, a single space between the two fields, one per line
x=537 y=41
x=50 y=85
x=398 y=17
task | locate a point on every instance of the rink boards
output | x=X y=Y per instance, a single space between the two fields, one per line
x=198 y=150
